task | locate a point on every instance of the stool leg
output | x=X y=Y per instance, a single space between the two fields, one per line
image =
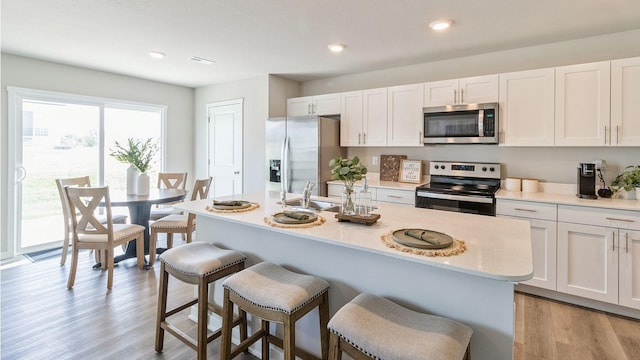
x=243 y=327
x=203 y=314
x=289 y=343
x=335 y=353
x=227 y=320
x=265 y=340
x=323 y=314
x=162 y=307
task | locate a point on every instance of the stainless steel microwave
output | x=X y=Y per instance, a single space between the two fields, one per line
x=461 y=124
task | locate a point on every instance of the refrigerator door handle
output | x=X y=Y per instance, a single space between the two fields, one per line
x=282 y=165
x=285 y=168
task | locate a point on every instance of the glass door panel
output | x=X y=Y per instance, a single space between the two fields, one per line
x=59 y=140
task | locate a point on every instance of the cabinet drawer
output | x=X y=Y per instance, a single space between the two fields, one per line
x=397 y=196
x=527 y=209
x=622 y=219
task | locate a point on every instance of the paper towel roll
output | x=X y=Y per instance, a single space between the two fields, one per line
x=530 y=185
x=512 y=184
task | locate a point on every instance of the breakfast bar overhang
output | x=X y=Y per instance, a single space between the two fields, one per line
x=475 y=287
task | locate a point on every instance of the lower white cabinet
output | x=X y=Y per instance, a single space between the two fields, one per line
x=542 y=218
x=599 y=254
x=378 y=194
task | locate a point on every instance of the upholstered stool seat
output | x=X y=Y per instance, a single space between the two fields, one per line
x=273 y=293
x=199 y=264
x=381 y=329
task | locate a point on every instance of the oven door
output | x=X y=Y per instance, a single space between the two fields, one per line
x=459 y=203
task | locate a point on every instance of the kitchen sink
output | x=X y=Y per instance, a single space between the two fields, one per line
x=315 y=204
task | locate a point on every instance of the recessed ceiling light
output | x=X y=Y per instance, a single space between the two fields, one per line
x=440 y=25
x=337 y=48
x=157 y=54
x=202 y=60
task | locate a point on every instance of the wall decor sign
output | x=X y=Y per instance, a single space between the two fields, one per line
x=411 y=171
x=390 y=167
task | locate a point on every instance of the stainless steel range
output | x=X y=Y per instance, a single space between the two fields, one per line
x=461 y=187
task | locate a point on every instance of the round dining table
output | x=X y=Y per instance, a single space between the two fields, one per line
x=139 y=211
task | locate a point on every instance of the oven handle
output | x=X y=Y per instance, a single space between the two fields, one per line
x=467 y=198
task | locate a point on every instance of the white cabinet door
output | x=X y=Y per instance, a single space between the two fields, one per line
x=328 y=104
x=405 y=115
x=479 y=89
x=351 y=118
x=374 y=125
x=473 y=90
x=587 y=262
x=543 y=244
x=439 y=93
x=625 y=103
x=582 y=109
x=299 y=106
x=527 y=108
x=629 y=248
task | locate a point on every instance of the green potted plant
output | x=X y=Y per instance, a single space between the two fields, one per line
x=628 y=180
x=140 y=155
x=348 y=171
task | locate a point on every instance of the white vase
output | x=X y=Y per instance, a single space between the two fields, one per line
x=132 y=180
x=143 y=184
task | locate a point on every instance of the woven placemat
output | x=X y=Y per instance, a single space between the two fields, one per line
x=458 y=247
x=318 y=221
x=253 y=206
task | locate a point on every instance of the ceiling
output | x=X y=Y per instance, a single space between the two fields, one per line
x=248 y=38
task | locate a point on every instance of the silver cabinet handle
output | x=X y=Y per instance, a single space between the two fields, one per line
x=358 y=138
x=419 y=137
x=617 y=219
x=617 y=134
x=395 y=196
x=364 y=138
x=455 y=96
x=528 y=210
x=613 y=241
x=605 y=134
x=461 y=96
x=626 y=240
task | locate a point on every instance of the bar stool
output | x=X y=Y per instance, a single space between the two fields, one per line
x=372 y=327
x=200 y=264
x=273 y=293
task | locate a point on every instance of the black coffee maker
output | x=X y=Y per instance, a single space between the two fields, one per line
x=587 y=181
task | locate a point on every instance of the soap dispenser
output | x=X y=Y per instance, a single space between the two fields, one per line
x=364 y=201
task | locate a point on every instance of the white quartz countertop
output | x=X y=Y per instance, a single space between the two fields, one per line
x=497 y=248
x=569 y=199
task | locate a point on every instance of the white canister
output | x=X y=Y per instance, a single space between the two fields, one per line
x=512 y=184
x=530 y=185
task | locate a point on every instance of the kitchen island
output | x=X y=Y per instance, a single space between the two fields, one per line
x=475 y=287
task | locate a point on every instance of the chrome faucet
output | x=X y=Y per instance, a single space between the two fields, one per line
x=306 y=194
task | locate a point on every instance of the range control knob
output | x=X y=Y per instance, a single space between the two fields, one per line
x=437 y=166
x=484 y=168
x=492 y=169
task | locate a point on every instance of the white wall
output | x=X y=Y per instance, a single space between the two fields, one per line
x=42 y=75
x=548 y=164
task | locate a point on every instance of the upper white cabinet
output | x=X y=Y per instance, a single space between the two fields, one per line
x=363 y=118
x=582 y=109
x=404 y=125
x=473 y=90
x=328 y=104
x=526 y=108
x=625 y=102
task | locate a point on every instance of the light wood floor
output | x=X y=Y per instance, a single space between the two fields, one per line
x=40 y=318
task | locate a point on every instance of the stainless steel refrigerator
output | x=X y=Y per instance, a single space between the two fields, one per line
x=298 y=149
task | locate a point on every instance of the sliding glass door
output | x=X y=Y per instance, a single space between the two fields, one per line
x=60 y=136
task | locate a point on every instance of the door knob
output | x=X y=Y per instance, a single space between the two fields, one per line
x=236 y=173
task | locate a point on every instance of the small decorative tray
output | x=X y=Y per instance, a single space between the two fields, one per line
x=359 y=219
x=422 y=239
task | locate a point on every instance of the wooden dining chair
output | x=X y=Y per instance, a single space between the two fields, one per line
x=168 y=181
x=90 y=233
x=178 y=223
x=82 y=181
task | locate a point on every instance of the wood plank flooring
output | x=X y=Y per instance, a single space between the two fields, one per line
x=40 y=318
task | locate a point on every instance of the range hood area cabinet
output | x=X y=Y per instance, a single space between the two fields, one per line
x=363 y=118
x=320 y=105
x=473 y=90
x=593 y=104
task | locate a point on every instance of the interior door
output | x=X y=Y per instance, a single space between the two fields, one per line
x=225 y=147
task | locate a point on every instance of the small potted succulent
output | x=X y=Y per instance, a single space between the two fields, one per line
x=627 y=182
x=348 y=171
